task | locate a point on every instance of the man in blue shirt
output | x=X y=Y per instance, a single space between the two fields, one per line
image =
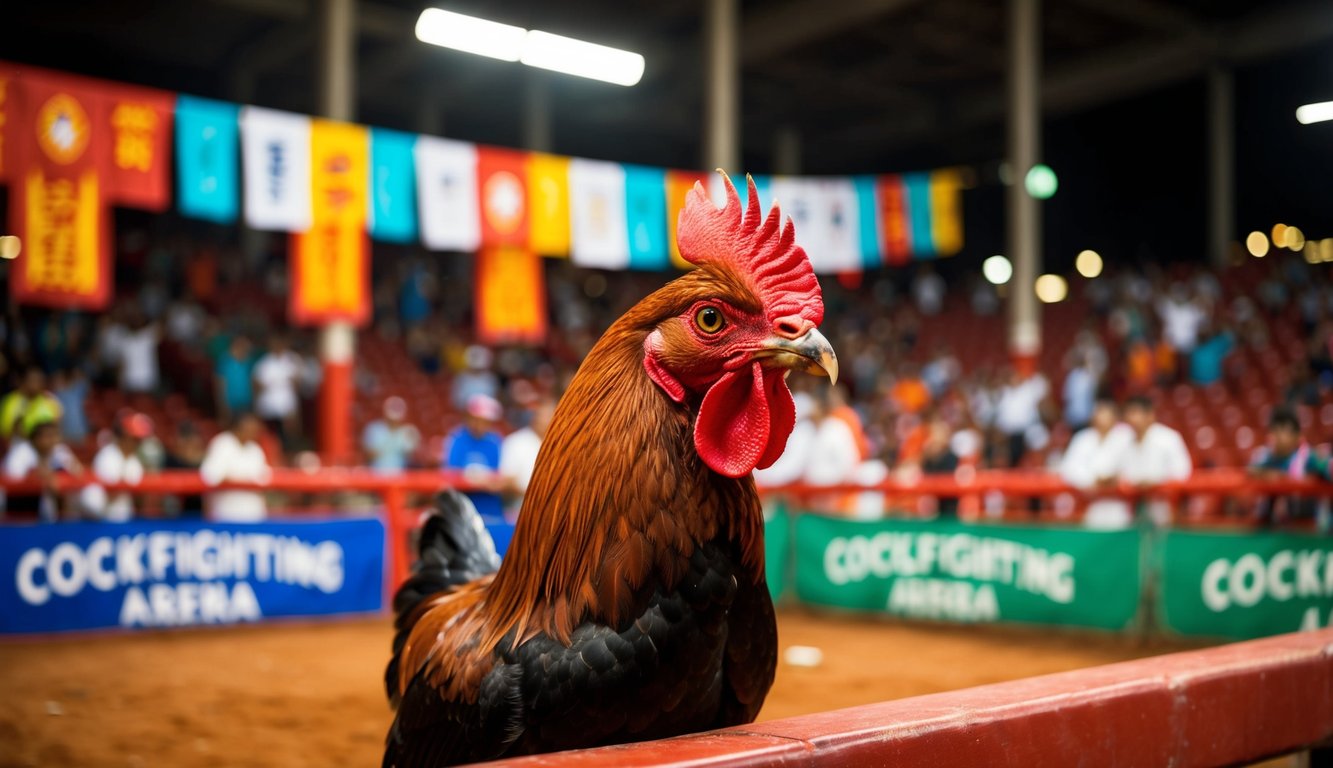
x=1287 y=456
x=474 y=448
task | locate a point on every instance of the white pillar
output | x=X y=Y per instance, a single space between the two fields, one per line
x=1024 y=211
x=1221 y=164
x=722 y=141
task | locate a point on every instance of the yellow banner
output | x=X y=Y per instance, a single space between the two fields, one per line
x=946 y=215
x=511 y=297
x=548 y=204
x=62 y=248
x=330 y=265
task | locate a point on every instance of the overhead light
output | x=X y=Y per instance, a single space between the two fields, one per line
x=997 y=270
x=1257 y=244
x=1314 y=113
x=471 y=34
x=1051 y=289
x=1088 y=264
x=532 y=47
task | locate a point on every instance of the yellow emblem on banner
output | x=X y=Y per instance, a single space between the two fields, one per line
x=548 y=204
x=61 y=250
x=510 y=297
x=330 y=268
x=62 y=129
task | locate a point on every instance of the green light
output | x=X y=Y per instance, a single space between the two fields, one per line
x=1041 y=182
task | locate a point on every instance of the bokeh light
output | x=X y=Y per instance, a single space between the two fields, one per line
x=1088 y=263
x=10 y=247
x=1041 y=182
x=1326 y=249
x=1279 y=233
x=997 y=270
x=1257 y=244
x=1293 y=238
x=1051 y=288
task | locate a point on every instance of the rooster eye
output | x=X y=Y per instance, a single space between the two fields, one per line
x=709 y=320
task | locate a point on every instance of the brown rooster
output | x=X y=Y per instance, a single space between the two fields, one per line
x=632 y=603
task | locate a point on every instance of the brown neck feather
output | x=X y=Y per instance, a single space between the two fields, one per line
x=618 y=495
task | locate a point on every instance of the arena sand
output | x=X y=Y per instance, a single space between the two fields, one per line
x=312 y=694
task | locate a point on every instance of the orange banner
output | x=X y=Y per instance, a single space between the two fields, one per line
x=679 y=184
x=502 y=194
x=56 y=155
x=893 y=214
x=140 y=122
x=330 y=263
x=510 y=297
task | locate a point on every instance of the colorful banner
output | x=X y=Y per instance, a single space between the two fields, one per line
x=646 y=217
x=840 y=229
x=548 y=204
x=58 y=172
x=894 y=220
x=871 y=234
x=140 y=122
x=152 y=575
x=393 y=182
x=511 y=297
x=447 y=194
x=678 y=185
x=207 y=136
x=1245 y=585
x=276 y=153
x=949 y=571
x=597 y=226
x=946 y=214
x=330 y=263
x=503 y=196
x=917 y=187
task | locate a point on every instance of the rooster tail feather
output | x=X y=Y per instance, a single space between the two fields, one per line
x=454 y=548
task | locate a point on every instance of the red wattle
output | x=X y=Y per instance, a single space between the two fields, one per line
x=744 y=421
x=781 y=416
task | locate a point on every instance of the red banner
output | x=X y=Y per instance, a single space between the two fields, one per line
x=7 y=77
x=502 y=194
x=56 y=155
x=140 y=124
x=511 y=297
x=893 y=216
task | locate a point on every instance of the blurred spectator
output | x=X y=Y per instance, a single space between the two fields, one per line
x=235 y=386
x=937 y=458
x=941 y=372
x=185 y=321
x=117 y=462
x=910 y=393
x=390 y=442
x=187 y=452
x=23 y=408
x=1079 y=394
x=1287 y=456
x=1092 y=461
x=71 y=391
x=474 y=448
x=1156 y=454
x=928 y=292
x=835 y=453
x=791 y=465
x=41 y=458
x=476 y=379
x=518 y=452
x=1208 y=358
x=1182 y=319
x=276 y=375
x=235 y=456
x=111 y=333
x=1018 y=413
x=137 y=356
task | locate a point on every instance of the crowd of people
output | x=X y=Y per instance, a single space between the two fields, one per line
x=908 y=406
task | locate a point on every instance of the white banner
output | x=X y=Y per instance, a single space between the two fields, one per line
x=447 y=192
x=598 y=231
x=276 y=161
x=840 y=210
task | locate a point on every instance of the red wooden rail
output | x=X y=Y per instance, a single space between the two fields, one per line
x=1221 y=706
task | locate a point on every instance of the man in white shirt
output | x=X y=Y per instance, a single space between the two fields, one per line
x=1182 y=319
x=117 y=462
x=1092 y=461
x=276 y=376
x=138 y=357
x=1018 y=411
x=1156 y=454
x=791 y=465
x=236 y=456
x=518 y=454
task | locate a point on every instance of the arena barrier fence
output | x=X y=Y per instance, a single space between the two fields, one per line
x=1229 y=705
x=1209 y=573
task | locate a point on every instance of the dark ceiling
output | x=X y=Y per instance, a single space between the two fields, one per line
x=868 y=84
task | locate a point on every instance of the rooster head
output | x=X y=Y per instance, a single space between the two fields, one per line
x=735 y=328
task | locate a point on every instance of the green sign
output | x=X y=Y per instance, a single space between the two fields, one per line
x=970 y=573
x=1243 y=585
x=777 y=543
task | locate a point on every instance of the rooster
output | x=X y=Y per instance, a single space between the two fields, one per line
x=632 y=602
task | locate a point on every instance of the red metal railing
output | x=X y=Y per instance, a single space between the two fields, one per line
x=1222 y=706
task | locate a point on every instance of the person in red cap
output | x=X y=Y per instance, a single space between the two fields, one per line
x=117 y=462
x=474 y=448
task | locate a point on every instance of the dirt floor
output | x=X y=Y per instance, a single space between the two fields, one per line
x=311 y=694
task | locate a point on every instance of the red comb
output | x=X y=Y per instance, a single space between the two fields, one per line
x=761 y=248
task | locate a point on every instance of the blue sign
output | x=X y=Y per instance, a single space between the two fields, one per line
x=393 y=186
x=646 y=217
x=206 y=164
x=151 y=574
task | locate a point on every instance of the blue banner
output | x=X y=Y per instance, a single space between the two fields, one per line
x=206 y=158
x=393 y=186
x=917 y=186
x=867 y=201
x=646 y=217
x=150 y=574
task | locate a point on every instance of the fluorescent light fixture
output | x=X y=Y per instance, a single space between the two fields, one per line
x=576 y=57
x=470 y=34
x=534 y=48
x=1315 y=113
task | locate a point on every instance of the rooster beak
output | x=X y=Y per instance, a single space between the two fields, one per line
x=810 y=353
